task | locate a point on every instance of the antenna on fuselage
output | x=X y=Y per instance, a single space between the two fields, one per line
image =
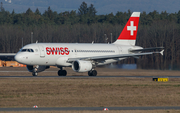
x=111 y=38
x=22 y=41
x=31 y=37
x=106 y=38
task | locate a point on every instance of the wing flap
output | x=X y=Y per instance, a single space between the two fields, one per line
x=112 y=56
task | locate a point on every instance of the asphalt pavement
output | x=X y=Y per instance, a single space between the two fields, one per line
x=90 y=108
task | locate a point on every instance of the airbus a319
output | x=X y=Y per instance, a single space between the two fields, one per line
x=83 y=57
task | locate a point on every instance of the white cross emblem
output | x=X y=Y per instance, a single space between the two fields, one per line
x=131 y=28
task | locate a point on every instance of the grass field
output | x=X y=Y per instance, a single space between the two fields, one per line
x=90 y=92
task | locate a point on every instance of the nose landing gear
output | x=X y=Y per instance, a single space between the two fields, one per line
x=35 y=73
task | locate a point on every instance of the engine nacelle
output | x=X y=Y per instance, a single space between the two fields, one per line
x=81 y=66
x=38 y=68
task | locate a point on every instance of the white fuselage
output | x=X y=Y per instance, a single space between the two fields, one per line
x=57 y=54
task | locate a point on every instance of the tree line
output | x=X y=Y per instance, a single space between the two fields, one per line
x=84 y=26
x=84 y=15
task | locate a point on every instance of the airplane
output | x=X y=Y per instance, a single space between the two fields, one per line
x=84 y=57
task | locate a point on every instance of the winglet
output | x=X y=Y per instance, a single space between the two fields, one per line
x=162 y=52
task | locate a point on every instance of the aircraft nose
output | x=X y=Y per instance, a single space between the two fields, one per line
x=18 y=58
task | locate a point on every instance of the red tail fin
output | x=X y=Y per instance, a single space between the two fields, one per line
x=129 y=33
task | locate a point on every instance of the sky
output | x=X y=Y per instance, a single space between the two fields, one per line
x=102 y=6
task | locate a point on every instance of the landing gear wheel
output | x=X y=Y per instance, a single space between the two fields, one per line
x=89 y=73
x=62 y=72
x=92 y=73
x=34 y=73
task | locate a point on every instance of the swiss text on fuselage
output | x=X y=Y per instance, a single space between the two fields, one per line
x=57 y=51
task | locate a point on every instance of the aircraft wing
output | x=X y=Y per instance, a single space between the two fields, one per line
x=6 y=56
x=97 y=58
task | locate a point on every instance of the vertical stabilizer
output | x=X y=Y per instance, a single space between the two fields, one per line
x=129 y=33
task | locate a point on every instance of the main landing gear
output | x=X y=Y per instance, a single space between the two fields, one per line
x=92 y=73
x=62 y=72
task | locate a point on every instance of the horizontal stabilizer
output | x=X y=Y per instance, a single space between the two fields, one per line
x=161 y=52
x=146 y=49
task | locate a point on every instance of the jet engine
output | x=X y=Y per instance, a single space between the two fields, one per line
x=81 y=66
x=37 y=68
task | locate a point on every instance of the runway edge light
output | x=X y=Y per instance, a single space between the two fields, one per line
x=105 y=109
x=35 y=106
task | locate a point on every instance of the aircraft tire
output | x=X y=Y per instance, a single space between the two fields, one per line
x=62 y=72
x=92 y=73
x=34 y=73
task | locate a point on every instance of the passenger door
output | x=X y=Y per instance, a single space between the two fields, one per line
x=42 y=52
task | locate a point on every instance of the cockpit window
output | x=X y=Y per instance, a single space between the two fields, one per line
x=23 y=50
x=27 y=50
